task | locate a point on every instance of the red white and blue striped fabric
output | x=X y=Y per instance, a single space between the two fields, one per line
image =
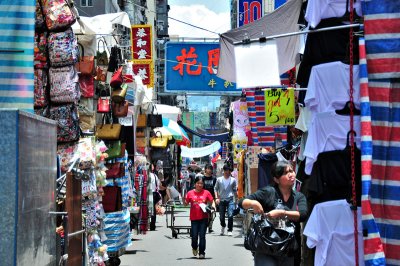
x=380 y=106
x=262 y=134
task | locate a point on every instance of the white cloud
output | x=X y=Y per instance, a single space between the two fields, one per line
x=198 y=15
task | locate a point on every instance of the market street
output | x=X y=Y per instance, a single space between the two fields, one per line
x=159 y=248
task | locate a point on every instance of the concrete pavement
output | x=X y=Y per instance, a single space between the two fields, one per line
x=160 y=248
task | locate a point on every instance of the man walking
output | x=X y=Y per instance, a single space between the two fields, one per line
x=209 y=183
x=225 y=194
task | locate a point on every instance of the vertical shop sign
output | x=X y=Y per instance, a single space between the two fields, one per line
x=249 y=11
x=279 y=107
x=142 y=56
x=141 y=42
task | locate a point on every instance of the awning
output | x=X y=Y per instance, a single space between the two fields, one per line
x=102 y=25
x=223 y=137
x=171 y=129
x=200 y=152
x=167 y=111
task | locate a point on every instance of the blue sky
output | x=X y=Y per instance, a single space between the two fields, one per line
x=213 y=15
x=214 y=5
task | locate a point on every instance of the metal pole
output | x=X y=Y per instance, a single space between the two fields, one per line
x=263 y=39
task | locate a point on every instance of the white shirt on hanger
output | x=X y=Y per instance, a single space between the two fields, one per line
x=320 y=9
x=330 y=229
x=328 y=87
x=328 y=132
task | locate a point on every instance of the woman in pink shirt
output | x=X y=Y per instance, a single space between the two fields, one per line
x=198 y=198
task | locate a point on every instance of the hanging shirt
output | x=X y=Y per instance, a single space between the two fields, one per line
x=194 y=198
x=328 y=132
x=320 y=9
x=328 y=87
x=330 y=228
x=331 y=176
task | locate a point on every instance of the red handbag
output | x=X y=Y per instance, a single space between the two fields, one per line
x=117 y=79
x=86 y=84
x=103 y=102
x=114 y=170
x=112 y=199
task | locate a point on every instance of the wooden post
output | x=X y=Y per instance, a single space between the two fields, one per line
x=73 y=205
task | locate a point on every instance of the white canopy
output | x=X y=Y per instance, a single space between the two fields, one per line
x=89 y=28
x=200 y=152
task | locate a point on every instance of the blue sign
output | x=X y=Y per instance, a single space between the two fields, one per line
x=249 y=11
x=278 y=3
x=192 y=66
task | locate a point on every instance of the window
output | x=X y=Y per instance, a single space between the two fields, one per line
x=86 y=3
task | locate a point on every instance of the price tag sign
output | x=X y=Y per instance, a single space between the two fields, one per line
x=279 y=107
x=126 y=121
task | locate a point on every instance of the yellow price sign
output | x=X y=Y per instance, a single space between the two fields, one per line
x=279 y=107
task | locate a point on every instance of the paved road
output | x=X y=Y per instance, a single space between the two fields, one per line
x=159 y=248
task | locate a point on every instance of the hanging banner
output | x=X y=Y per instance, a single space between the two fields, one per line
x=145 y=71
x=279 y=107
x=141 y=42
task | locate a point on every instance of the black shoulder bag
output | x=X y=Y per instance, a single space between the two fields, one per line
x=263 y=237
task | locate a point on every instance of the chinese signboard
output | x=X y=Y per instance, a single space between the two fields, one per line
x=279 y=107
x=193 y=66
x=249 y=11
x=142 y=56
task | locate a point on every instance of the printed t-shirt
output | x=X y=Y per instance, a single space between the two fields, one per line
x=195 y=198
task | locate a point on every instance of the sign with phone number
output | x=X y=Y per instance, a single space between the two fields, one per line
x=279 y=107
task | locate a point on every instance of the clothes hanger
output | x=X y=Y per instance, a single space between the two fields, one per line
x=346 y=15
x=346 y=109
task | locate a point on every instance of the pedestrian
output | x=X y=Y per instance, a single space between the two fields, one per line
x=266 y=199
x=198 y=198
x=192 y=175
x=225 y=195
x=154 y=185
x=209 y=183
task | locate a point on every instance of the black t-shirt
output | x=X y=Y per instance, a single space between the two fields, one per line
x=209 y=183
x=331 y=176
x=268 y=196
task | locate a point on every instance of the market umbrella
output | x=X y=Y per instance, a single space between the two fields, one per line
x=171 y=129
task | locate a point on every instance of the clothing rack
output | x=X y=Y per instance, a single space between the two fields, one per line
x=264 y=39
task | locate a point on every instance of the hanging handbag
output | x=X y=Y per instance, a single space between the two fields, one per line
x=158 y=141
x=101 y=74
x=115 y=170
x=112 y=199
x=117 y=79
x=86 y=85
x=101 y=57
x=263 y=237
x=103 y=102
x=62 y=48
x=118 y=95
x=115 y=59
x=59 y=14
x=154 y=121
x=108 y=131
x=113 y=149
x=142 y=121
x=120 y=109
x=85 y=65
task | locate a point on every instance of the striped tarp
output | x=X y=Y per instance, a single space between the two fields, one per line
x=262 y=134
x=381 y=172
x=117 y=230
x=17 y=29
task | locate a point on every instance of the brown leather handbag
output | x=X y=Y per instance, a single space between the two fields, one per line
x=108 y=131
x=117 y=78
x=142 y=120
x=85 y=64
x=120 y=109
x=118 y=95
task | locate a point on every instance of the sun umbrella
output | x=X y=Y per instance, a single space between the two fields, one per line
x=171 y=129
